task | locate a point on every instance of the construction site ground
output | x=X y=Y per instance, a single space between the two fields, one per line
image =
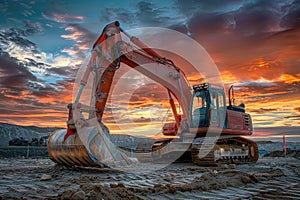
x=270 y=178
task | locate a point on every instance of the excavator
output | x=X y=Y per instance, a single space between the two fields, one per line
x=207 y=132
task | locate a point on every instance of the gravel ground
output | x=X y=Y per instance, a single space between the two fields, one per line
x=271 y=177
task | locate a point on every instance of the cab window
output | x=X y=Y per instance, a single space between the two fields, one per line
x=221 y=100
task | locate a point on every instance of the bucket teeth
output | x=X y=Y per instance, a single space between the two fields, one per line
x=98 y=150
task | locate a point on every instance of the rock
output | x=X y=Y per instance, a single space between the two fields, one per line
x=246 y=179
x=91 y=195
x=78 y=195
x=224 y=166
x=46 y=177
x=113 y=185
x=232 y=166
x=121 y=185
x=66 y=195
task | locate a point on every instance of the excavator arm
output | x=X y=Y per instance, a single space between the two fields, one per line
x=110 y=50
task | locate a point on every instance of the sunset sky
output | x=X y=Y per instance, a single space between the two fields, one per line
x=255 y=45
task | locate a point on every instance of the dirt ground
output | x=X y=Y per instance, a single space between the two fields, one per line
x=270 y=178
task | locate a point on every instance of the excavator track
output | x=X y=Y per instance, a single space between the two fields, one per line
x=227 y=150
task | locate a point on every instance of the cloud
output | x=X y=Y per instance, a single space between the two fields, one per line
x=83 y=38
x=25 y=108
x=143 y=14
x=124 y=15
x=62 y=18
x=246 y=18
x=295 y=117
x=290 y=79
x=291 y=18
x=253 y=45
x=263 y=110
x=189 y=7
x=264 y=93
x=13 y=76
x=32 y=28
x=249 y=17
x=10 y=9
x=256 y=84
x=281 y=130
x=150 y=14
x=14 y=44
x=30 y=90
x=228 y=77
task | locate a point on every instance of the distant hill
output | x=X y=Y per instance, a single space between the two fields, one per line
x=279 y=130
x=10 y=131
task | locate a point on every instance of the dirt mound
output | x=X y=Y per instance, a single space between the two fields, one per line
x=206 y=182
x=114 y=191
x=268 y=174
x=219 y=180
x=212 y=180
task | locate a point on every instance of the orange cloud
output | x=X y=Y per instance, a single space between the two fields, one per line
x=83 y=38
x=290 y=79
x=74 y=36
x=228 y=77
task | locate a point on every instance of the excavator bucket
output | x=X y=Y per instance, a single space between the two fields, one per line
x=92 y=148
x=101 y=148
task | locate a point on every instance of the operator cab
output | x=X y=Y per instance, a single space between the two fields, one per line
x=208 y=104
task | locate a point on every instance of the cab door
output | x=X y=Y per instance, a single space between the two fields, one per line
x=217 y=111
x=199 y=109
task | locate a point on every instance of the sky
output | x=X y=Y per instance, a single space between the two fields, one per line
x=255 y=45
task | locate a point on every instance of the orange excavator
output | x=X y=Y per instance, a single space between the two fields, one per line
x=208 y=132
